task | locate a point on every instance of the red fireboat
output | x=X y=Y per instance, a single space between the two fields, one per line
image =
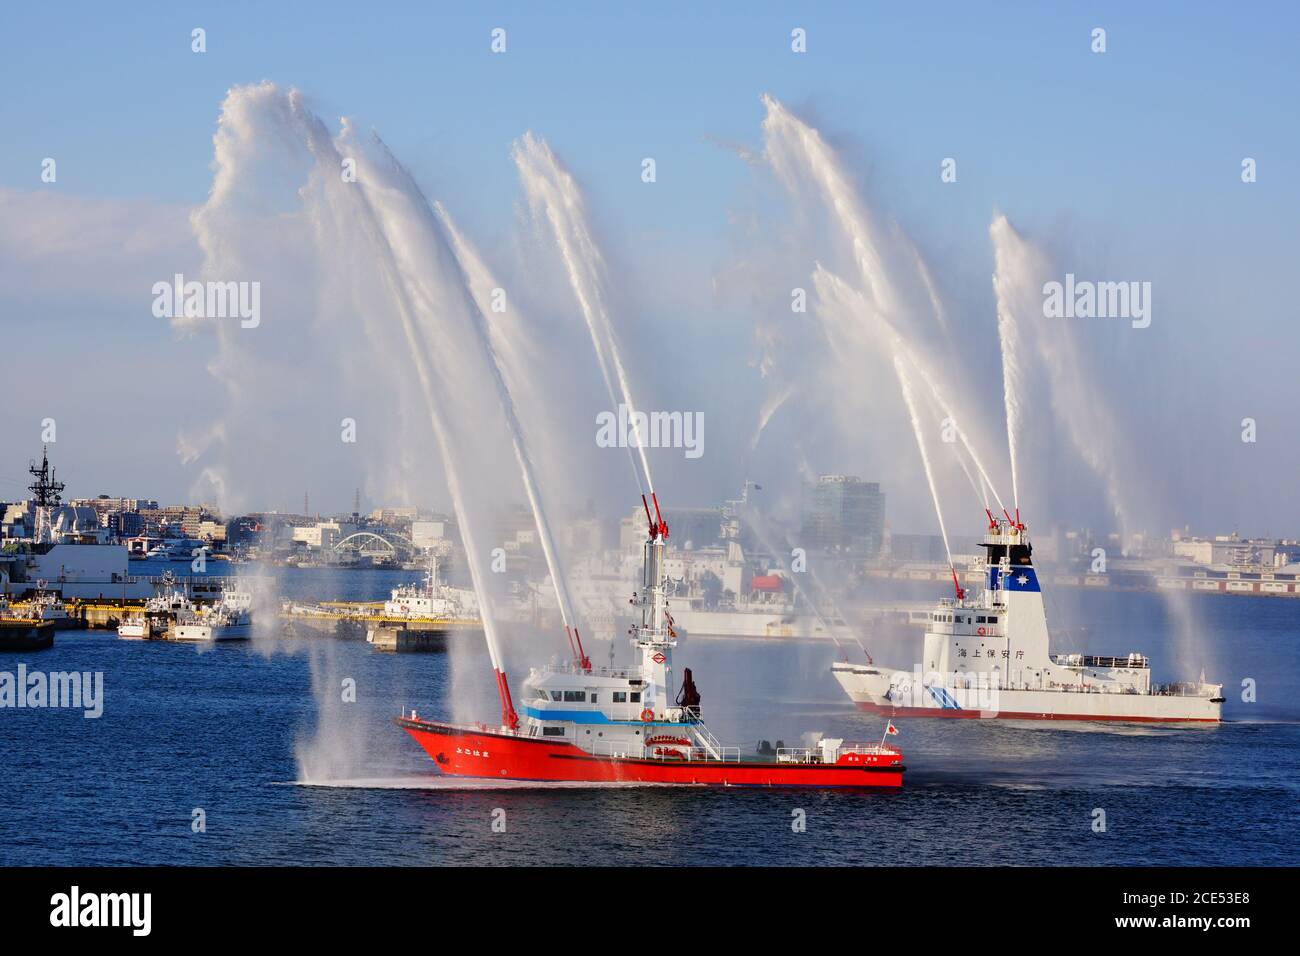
x=636 y=724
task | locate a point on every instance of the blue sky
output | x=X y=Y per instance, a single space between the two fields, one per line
x=1132 y=155
x=1011 y=90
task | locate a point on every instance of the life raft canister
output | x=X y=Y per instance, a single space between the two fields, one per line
x=647 y=715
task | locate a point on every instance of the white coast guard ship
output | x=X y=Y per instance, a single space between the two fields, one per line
x=987 y=656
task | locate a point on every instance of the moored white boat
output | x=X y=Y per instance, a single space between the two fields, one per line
x=134 y=627
x=432 y=601
x=229 y=619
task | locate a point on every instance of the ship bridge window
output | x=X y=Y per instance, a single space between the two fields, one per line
x=634 y=697
x=552 y=731
x=571 y=696
x=556 y=695
x=620 y=697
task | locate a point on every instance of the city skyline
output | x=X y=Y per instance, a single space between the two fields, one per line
x=810 y=535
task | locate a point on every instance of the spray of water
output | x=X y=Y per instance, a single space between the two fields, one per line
x=771 y=405
x=1011 y=300
x=852 y=324
x=555 y=198
x=405 y=284
x=495 y=343
x=424 y=288
x=905 y=385
x=1082 y=412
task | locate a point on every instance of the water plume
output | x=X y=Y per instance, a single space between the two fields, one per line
x=871 y=332
x=905 y=385
x=385 y=208
x=769 y=408
x=1009 y=297
x=1080 y=408
x=404 y=284
x=494 y=343
x=555 y=198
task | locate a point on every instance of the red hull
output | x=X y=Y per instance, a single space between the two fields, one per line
x=480 y=752
x=1012 y=715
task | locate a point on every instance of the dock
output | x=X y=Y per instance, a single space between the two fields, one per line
x=20 y=635
x=398 y=639
x=366 y=619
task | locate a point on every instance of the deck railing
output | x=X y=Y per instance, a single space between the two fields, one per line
x=1085 y=660
x=814 y=755
x=638 y=751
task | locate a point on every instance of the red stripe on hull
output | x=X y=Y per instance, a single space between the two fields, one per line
x=476 y=752
x=1013 y=715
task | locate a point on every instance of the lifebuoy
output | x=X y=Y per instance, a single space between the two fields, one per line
x=647 y=715
x=979 y=631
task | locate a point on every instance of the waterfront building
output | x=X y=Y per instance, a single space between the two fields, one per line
x=843 y=513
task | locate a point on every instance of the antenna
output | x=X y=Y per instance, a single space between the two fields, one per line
x=45 y=488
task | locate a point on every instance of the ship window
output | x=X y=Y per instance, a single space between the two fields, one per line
x=635 y=697
x=620 y=697
x=552 y=731
x=575 y=695
x=556 y=695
